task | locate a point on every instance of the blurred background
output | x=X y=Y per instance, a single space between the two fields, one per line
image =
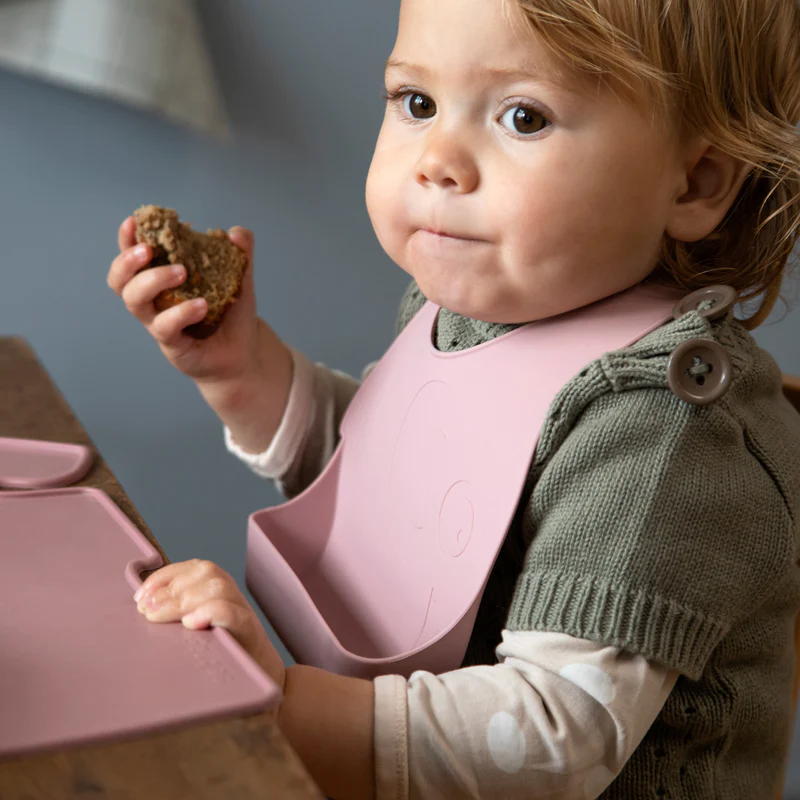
x=277 y=135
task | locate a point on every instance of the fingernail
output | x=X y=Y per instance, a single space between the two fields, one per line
x=178 y=271
x=140 y=251
x=198 y=304
x=139 y=593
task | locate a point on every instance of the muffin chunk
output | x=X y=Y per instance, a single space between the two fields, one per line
x=215 y=266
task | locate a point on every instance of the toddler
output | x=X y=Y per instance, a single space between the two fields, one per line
x=635 y=637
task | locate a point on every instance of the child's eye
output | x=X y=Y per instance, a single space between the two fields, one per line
x=524 y=120
x=415 y=105
x=419 y=106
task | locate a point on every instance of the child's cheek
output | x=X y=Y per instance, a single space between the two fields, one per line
x=387 y=210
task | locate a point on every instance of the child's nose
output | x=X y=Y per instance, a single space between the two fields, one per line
x=448 y=164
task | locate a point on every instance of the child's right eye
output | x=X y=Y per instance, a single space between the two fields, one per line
x=419 y=106
x=415 y=104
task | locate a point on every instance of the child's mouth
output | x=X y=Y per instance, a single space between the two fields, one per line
x=447 y=236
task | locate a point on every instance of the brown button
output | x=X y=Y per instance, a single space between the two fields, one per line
x=712 y=302
x=699 y=371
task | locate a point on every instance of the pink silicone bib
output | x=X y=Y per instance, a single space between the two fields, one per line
x=380 y=565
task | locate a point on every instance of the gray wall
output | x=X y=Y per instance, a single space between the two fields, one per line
x=302 y=83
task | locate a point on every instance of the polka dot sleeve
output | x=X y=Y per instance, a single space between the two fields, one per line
x=557 y=718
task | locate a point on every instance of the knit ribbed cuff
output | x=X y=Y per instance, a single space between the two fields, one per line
x=587 y=608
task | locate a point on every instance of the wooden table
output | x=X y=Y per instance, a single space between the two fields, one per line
x=245 y=758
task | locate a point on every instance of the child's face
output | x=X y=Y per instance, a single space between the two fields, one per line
x=555 y=192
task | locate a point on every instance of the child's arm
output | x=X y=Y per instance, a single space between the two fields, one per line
x=557 y=720
x=252 y=408
x=328 y=720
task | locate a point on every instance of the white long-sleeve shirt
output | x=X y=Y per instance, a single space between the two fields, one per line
x=557 y=717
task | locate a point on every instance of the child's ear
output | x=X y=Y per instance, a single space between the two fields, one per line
x=710 y=183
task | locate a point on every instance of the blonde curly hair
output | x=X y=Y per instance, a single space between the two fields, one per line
x=729 y=71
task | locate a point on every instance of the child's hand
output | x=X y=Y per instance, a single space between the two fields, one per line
x=227 y=355
x=199 y=593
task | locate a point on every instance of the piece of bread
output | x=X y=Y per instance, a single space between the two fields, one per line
x=215 y=266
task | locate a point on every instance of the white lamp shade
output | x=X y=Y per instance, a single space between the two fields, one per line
x=149 y=53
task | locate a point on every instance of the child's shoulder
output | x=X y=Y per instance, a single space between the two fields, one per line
x=625 y=400
x=725 y=353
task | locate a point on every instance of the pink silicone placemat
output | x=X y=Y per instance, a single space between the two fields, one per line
x=34 y=464
x=78 y=663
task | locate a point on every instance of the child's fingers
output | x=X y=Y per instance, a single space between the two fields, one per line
x=220 y=613
x=127 y=264
x=126 y=236
x=203 y=595
x=165 y=575
x=243 y=238
x=167 y=327
x=176 y=580
x=140 y=291
x=187 y=593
